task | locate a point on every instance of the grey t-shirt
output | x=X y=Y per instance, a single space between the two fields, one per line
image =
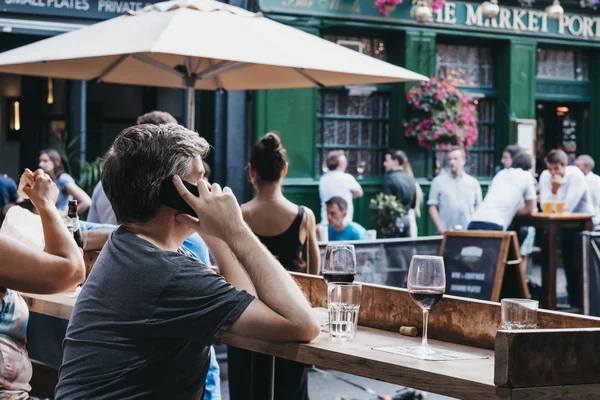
x=143 y=323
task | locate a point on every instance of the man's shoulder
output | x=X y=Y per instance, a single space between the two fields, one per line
x=439 y=178
x=357 y=228
x=7 y=181
x=471 y=179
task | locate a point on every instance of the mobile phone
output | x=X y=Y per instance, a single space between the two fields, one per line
x=170 y=197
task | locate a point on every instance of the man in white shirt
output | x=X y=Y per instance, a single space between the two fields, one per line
x=510 y=188
x=567 y=183
x=586 y=164
x=337 y=183
x=455 y=195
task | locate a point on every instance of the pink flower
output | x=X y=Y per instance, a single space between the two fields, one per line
x=380 y=3
x=406 y=124
x=420 y=139
x=449 y=125
x=436 y=135
x=384 y=11
x=436 y=5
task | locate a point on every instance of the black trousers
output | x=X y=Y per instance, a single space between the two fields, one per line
x=291 y=378
x=570 y=242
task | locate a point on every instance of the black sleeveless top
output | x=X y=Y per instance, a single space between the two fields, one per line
x=286 y=246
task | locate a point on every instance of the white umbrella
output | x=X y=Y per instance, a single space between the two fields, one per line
x=199 y=44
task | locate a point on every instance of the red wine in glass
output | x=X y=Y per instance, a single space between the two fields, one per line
x=426 y=299
x=337 y=277
x=426 y=284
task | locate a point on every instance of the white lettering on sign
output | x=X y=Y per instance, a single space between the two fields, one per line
x=113 y=6
x=519 y=20
x=82 y=5
x=458 y=288
x=456 y=275
x=33 y=3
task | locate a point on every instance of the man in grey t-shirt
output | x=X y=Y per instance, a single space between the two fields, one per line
x=147 y=315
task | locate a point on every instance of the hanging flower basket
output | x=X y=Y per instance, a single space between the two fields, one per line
x=440 y=116
x=385 y=6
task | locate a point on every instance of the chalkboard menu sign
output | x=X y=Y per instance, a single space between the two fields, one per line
x=478 y=263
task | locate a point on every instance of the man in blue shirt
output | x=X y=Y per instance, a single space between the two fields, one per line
x=337 y=209
x=8 y=193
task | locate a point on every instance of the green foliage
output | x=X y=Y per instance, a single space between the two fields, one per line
x=389 y=215
x=90 y=173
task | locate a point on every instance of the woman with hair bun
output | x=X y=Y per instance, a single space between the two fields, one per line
x=288 y=231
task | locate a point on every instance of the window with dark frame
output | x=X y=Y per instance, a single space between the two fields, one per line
x=358 y=123
x=471 y=68
x=562 y=64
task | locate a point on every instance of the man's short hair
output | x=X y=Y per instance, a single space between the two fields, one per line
x=557 y=157
x=338 y=201
x=156 y=118
x=333 y=159
x=513 y=150
x=140 y=159
x=586 y=160
x=397 y=155
x=459 y=149
x=522 y=160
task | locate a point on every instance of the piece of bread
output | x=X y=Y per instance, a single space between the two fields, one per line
x=26 y=179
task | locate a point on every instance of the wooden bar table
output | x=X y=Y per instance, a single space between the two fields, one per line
x=547 y=226
x=558 y=362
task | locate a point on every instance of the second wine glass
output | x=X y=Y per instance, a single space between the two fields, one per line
x=426 y=286
x=340 y=263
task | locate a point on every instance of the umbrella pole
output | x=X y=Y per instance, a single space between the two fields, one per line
x=191 y=108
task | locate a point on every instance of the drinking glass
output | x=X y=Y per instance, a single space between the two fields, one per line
x=340 y=263
x=547 y=207
x=360 y=168
x=343 y=303
x=559 y=207
x=519 y=314
x=426 y=286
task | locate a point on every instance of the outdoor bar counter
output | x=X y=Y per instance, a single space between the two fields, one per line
x=557 y=361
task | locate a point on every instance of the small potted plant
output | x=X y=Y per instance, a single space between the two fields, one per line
x=389 y=215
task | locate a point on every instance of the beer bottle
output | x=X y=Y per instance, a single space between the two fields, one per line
x=74 y=226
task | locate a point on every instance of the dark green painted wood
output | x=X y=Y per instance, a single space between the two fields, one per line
x=517 y=63
x=576 y=91
x=419 y=56
x=592 y=142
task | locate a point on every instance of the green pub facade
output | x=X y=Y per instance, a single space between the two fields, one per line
x=520 y=67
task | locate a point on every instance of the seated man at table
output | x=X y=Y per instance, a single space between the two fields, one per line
x=567 y=183
x=339 y=226
x=511 y=193
x=144 y=321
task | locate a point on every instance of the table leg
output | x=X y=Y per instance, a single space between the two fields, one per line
x=263 y=377
x=549 y=267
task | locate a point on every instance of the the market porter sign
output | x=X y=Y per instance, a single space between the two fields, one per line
x=520 y=20
x=455 y=14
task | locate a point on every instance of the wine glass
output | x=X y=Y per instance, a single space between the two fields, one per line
x=426 y=286
x=360 y=168
x=340 y=263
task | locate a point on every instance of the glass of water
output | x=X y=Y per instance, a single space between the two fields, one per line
x=343 y=302
x=519 y=314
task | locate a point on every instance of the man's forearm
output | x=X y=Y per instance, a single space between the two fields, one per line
x=229 y=266
x=274 y=286
x=435 y=217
